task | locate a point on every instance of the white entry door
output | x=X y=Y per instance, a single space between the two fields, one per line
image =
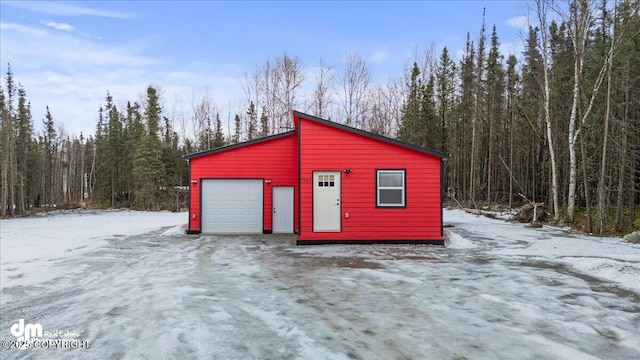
x=282 y=209
x=326 y=201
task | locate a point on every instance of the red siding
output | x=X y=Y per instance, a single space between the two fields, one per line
x=274 y=160
x=325 y=147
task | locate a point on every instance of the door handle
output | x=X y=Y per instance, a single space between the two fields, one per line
x=274 y=210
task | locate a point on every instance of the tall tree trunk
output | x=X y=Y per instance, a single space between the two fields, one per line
x=542 y=7
x=581 y=18
x=587 y=193
x=623 y=154
x=472 y=174
x=13 y=178
x=552 y=153
x=21 y=197
x=490 y=160
x=602 y=192
x=476 y=114
x=621 y=177
x=5 y=181
x=573 y=133
x=510 y=152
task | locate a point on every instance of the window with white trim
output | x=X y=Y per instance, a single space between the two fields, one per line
x=390 y=188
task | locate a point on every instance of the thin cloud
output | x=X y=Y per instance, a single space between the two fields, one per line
x=379 y=55
x=58 y=26
x=22 y=28
x=511 y=48
x=518 y=22
x=74 y=76
x=55 y=8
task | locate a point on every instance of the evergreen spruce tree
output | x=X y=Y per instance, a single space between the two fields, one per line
x=252 y=126
x=8 y=141
x=174 y=166
x=264 y=123
x=98 y=178
x=445 y=90
x=477 y=118
x=153 y=111
x=428 y=126
x=512 y=81
x=218 y=138
x=133 y=134
x=110 y=159
x=465 y=119
x=237 y=129
x=410 y=127
x=115 y=149
x=148 y=170
x=4 y=152
x=206 y=134
x=494 y=105
x=50 y=149
x=530 y=104
x=23 y=147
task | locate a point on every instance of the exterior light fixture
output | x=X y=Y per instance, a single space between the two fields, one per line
x=348 y=171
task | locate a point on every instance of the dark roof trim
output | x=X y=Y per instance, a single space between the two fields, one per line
x=368 y=134
x=239 y=145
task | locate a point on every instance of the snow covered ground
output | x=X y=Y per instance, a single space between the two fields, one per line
x=134 y=286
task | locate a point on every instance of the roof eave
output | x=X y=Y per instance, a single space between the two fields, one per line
x=238 y=145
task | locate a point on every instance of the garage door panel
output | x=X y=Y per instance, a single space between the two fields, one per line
x=232 y=206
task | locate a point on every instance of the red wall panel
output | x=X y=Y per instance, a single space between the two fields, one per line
x=325 y=147
x=274 y=160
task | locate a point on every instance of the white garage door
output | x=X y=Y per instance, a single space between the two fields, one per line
x=231 y=206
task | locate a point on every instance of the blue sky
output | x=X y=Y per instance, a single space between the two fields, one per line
x=68 y=54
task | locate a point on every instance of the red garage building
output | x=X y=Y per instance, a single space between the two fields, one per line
x=324 y=181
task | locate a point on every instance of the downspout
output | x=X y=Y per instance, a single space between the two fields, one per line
x=298 y=132
x=190 y=195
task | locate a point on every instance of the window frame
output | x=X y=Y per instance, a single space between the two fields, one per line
x=402 y=205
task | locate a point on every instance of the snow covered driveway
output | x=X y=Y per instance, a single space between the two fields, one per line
x=501 y=291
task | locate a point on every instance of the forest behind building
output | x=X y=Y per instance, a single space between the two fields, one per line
x=557 y=124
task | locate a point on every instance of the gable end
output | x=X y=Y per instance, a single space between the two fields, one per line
x=371 y=135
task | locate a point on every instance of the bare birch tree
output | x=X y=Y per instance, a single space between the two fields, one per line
x=251 y=87
x=322 y=97
x=203 y=111
x=542 y=7
x=354 y=79
x=600 y=218
x=580 y=24
x=478 y=100
x=278 y=83
x=289 y=80
x=268 y=83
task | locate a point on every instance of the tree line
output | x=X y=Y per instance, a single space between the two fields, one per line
x=558 y=124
